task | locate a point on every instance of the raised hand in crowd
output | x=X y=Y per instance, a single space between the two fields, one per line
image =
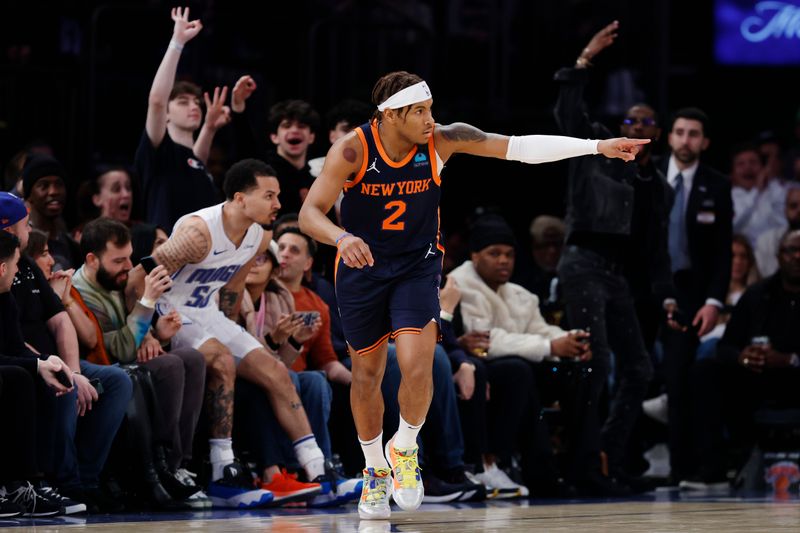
x=599 y=42
x=241 y=92
x=217 y=113
x=184 y=30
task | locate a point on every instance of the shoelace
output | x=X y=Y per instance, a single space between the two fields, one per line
x=375 y=488
x=407 y=468
x=186 y=477
x=51 y=494
x=27 y=495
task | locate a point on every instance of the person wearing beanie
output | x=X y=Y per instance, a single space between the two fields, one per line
x=45 y=191
x=516 y=339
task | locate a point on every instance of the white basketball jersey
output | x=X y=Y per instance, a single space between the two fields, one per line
x=194 y=285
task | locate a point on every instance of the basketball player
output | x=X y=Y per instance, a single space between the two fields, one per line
x=210 y=252
x=389 y=263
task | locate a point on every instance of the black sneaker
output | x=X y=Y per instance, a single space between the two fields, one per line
x=96 y=499
x=473 y=491
x=33 y=504
x=8 y=509
x=70 y=506
x=438 y=491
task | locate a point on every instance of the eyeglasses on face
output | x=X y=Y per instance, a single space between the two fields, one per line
x=646 y=121
x=790 y=250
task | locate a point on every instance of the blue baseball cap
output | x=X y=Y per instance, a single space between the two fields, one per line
x=12 y=209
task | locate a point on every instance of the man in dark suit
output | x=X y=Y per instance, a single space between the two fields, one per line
x=700 y=252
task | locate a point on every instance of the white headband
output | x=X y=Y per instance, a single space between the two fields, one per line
x=418 y=92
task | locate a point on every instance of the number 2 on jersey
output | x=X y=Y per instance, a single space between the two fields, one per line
x=390 y=223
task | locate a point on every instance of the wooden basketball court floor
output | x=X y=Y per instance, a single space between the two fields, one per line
x=656 y=512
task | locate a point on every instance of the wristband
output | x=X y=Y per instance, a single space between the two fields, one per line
x=794 y=360
x=343 y=236
x=175 y=45
x=274 y=346
x=296 y=345
x=444 y=315
x=150 y=304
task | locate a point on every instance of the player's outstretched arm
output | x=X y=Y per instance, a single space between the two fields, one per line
x=464 y=138
x=183 y=31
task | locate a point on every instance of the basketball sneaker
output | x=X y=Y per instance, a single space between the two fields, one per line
x=407 y=490
x=285 y=488
x=375 y=491
x=236 y=489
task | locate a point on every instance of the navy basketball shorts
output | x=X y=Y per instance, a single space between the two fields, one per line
x=395 y=296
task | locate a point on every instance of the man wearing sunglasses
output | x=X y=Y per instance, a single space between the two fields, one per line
x=614 y=271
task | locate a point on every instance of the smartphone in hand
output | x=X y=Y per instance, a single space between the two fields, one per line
x=149 y=264
x=64 y=378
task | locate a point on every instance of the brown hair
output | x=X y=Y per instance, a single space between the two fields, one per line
x=185 y=87
x=37 y=240
x=390 y=84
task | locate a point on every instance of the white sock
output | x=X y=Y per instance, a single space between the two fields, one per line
x=310 y=456
x=221 y=456
x=373 y=452
x=406 y=436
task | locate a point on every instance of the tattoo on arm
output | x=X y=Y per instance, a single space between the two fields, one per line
x=463 y=132
x=219 y=403
x=229 y=302
x=187 y=245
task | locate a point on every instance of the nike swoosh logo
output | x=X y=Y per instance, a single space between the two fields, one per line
x=217 y=252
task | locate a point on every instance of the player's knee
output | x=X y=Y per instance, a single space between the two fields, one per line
x=221 y=365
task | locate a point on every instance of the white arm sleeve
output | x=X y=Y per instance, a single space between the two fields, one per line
x=544 y=148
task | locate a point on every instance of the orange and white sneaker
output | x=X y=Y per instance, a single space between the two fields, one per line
x=374 y=502
x=407 y=489
x=286 y=488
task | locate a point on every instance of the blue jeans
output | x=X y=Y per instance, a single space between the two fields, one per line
x=441 y=435
x=82 y=443
x=256 y=429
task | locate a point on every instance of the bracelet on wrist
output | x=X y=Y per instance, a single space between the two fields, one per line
x=341 y=237
x=444 y=315
x=175 y=45
x=150 y=304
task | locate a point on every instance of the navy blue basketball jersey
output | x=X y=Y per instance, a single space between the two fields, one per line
x=394 y=206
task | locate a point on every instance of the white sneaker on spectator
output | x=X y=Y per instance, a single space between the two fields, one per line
x=496 y=479
x=656 y=408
